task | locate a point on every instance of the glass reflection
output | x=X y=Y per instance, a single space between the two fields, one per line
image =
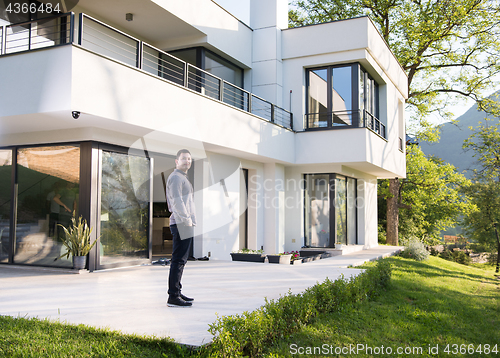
x=341 y=209
x=318 y=98
x=5 y=201
x=48 y=187
x=125 y=196
x=318 y=210
x=351 y=211
x=341 y=96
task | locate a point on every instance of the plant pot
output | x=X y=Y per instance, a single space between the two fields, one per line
x=248 y=257
x=338 y=246
x=279 y=259
x=79 y=262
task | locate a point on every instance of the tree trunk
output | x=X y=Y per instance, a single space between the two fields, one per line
x=498 y=249
x=393 y=212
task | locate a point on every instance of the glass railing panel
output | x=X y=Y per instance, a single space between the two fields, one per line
x=203 y=82
x=341 y=118
x=282 y=117
x=163 y=65
x=235 y=96
x=109 y=42
x=317 y=120
x=261 y=108
x=38 y=34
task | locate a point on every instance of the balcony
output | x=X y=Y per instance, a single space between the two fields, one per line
x=345 y=119
x=109 y=42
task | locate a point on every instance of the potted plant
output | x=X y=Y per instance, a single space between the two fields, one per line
x=295 y=257
x=77 y=242
x=282 y=258
x=248 y=255
x=338 y=245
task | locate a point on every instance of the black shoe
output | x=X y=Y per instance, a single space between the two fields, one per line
x=177 y=302
x=187 y=299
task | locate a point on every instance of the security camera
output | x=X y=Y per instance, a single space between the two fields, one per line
x=75 y=114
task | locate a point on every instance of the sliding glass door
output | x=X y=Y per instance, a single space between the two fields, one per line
x=124 y=217
x=330 y=210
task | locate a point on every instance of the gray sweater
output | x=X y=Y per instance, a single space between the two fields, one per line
x=180 y=199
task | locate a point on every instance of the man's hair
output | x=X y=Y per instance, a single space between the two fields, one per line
x=182 y=151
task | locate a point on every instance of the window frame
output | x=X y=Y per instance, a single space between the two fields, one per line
x=359 y=76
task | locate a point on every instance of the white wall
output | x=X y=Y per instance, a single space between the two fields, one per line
x=367 y=212
x=268 y=17
x=239 y=8
x=224 y=32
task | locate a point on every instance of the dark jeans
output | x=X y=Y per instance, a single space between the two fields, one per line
x=180 y=253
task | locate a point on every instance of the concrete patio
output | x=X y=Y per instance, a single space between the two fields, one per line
x=133 y=300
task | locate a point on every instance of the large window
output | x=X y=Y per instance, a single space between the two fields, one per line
x=212 y=63
x=48 y=181
x=340 y=96
x=330 y=210
x=5 y=202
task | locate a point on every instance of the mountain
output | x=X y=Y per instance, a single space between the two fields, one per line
x=452 y=138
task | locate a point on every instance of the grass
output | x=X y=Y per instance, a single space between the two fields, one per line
x=430 y=303
x=20 y=337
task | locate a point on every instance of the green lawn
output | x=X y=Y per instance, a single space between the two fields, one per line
x=435 y=303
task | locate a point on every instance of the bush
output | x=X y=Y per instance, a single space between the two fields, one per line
x=433 y=251
x=416 y=250
x=461 y=257
x=249 y=333
x=447 y=255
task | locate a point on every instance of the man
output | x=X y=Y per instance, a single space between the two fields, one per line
x=180 y=202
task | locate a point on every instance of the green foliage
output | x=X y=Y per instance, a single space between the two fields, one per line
x=449 y=49
x=429 y=303
x=415 y=250
x=485 y=143
x=430 y=197
x=250 y=333
x=26 y=338
x=461 y=258
x=77 y=238
x=457 y=256
x=482 y=224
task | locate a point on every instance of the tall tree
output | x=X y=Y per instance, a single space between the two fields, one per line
x=485 y=142
x=450 y=50
x=483 y=223
x=430 y=196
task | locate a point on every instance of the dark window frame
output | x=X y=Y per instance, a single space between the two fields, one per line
x=200 y=60
x=357 y=71
x=333 y=209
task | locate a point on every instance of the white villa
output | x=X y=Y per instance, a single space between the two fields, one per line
x=289 y=129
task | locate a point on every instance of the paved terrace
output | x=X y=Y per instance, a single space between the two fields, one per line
x=133 y=300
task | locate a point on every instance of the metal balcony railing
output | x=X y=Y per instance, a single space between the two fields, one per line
x=345 y=119
x=100 y=38
x=30 y=35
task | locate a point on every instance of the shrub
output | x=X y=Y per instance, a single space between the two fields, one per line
x=461 y=257
x=433 y=251
x=447 y=255
x=416 y=250
x=249 y=333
